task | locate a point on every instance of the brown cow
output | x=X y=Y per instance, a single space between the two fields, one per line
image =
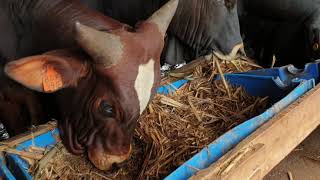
x=100 y=101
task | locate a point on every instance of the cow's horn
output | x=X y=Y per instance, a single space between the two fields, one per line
x=164 y=15
x=103 y=47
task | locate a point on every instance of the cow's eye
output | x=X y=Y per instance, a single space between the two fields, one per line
x=106 y=109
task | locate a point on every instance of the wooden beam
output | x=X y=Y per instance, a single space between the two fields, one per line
x=190 y=67
x=255 y=156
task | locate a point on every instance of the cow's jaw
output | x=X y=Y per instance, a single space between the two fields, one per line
x=144 y=83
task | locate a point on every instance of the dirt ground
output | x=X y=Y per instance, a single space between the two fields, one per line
x=303 y=163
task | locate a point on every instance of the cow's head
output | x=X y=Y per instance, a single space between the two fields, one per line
x=100 y=100
x=225 y=22
x=207 y=26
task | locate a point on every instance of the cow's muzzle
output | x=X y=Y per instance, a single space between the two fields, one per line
x=232 y=55
x=104 y=161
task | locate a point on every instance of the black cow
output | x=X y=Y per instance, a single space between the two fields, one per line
x=198 y=27
x=288 y=29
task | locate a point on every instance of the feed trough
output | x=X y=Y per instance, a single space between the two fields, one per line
x=282 y=85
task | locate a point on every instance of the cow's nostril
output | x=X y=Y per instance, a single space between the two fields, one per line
x=315 y=46
x=115 y=167
x=119 y=165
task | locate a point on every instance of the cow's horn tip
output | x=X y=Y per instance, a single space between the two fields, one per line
x=78 y=25
x=174 y=3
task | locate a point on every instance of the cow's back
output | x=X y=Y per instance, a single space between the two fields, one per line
x=8 y=35
x=131 y=11
x=18 y=33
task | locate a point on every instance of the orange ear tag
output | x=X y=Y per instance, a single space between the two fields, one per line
x=52 y=80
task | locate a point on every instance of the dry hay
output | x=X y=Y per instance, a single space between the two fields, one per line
x=179 y=125
x=239 y=64
x=173 y=128
x=71 y=167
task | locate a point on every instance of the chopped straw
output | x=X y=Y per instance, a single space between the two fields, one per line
x=174 y=127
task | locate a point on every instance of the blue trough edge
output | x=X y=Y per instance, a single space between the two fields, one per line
x=20 y=167
x=224 y=143
x=171 y=87
x=5 y=172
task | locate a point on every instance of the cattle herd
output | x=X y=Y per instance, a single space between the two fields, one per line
x=94 y=65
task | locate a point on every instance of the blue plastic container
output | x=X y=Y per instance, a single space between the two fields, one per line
x=283 y=85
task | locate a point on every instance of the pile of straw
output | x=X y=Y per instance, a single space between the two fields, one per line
x=176 y=127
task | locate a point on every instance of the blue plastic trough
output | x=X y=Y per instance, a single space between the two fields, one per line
x=283 y=85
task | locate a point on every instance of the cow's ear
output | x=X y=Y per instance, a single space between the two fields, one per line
x=46 y=73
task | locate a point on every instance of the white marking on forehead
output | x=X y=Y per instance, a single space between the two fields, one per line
x=144 y=83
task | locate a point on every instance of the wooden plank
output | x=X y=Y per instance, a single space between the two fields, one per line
x=189 y=68
x=254 y=157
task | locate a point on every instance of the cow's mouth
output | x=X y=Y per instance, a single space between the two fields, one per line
x=104 y=161
x=97 y=155
x=237 y=48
